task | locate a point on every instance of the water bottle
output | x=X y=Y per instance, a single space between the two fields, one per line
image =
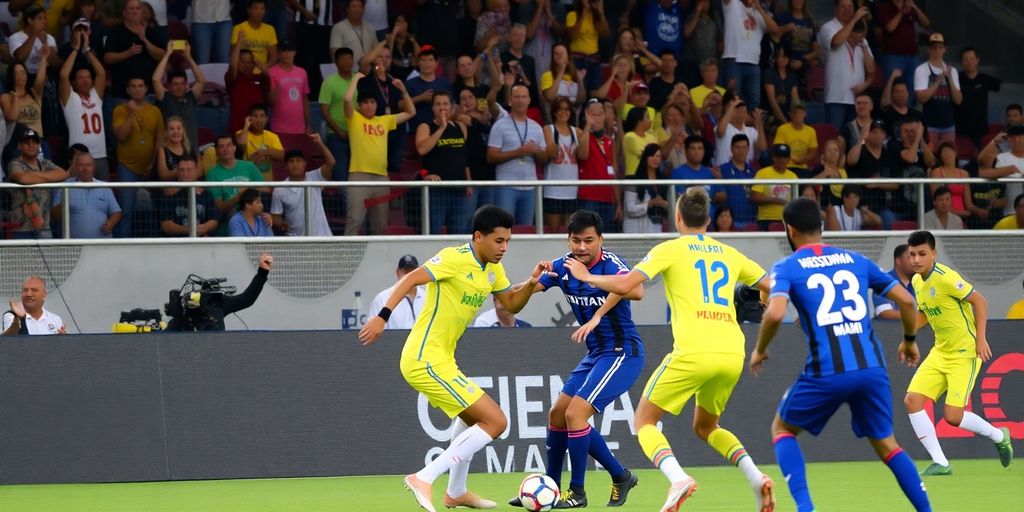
x=354 y=317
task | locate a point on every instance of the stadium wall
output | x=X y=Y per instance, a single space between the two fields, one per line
x=112 y=408
x=312 y=282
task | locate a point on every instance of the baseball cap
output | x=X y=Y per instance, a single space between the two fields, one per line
x=640 y=86
x=408 y=262
x=427 y=49
x=780 y=150
x=1016 y=129
x=29 y=134
x=936 y=38
x=286 y=45
x=877 y=123
x=80 y=22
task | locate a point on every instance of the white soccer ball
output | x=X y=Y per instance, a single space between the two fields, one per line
x=538 y=493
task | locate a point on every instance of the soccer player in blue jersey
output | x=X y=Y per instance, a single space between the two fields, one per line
x=829 y=288
x=615 y=357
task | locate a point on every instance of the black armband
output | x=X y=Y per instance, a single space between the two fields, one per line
x=384 y=313
x=910 y=338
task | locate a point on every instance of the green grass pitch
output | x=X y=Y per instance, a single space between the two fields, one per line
x=977 y=485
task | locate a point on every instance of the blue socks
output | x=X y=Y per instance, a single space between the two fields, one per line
x=906 y=474
x=600 y=452
x=791 y=462
x=579 y=447
x=558 y=442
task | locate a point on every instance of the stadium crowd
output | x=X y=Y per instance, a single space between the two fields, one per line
x=504 y=91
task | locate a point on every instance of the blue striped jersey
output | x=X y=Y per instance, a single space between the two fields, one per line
x=829 y=287
x=616 y=333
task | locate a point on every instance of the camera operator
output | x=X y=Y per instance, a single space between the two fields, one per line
x=209 y=313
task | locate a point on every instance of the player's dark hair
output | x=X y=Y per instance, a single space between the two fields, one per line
x=694 y=139
x=804 y=215
x=941 y=191
x=1017 y=201
x=490 y=217
x=695 y=207
x=920 y=238
x=852 y=189
x=248 y=196
x=899 y=251
x=583 y=219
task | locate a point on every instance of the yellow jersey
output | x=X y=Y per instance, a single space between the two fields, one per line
x=368 y=139
x=941 y=297
x=1016 y=311
x=773 y=212
x=700 y=276
x=459 y=287
x=800 y=141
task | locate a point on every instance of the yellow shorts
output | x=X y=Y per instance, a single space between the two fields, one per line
x=953 y=375
x=444 y=385
x=711 y=377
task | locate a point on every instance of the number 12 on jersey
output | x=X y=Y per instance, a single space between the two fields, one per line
x=709 y=272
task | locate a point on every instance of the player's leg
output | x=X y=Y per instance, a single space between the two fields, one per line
x=961 y=377
x=557 y=438
x=711 y=400
x=903 y=469
x=928 y=383
x=791 y=462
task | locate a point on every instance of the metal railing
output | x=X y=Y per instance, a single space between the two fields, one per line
x=425 y=187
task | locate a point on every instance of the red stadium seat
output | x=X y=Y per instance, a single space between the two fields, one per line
x=524 y=229
x=816 y=84
x=825 y=133
x=995 y=128
x=904 y=225
x=399 y=230
x=750 y=228
x=965 y=148
x=776 y=226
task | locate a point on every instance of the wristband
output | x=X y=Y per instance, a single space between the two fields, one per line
x=384 y=313
x=910 y=338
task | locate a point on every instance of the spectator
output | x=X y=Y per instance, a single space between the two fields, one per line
x=404 y=48
x=566 y=145
x=177 y=99
x=254 y=35
x=680 y=116
x=81 y=28
x=599 y=162
x=404 y=315
x=645 y=207
x=466 y=27
x=389 y=100
x=915 y=157
x=499 y=317
x=22 y=102
x=57 y=13
x=1001 y=143
x=288 y=206
x=369 y=142
x=175 y=146
x=990 y=198
x=28 y=317
x=746 y=23
x=478 y=127
x=332 y=110
x=739 y=168
x=962 y=204
x=639 y=96
x=899 y=20
x=30 y=209
x=854 y=131
x=850 y=215
x=313 y=26
x=259 y=145
x=1016 y=219
x=586 y=24
x=563 y=79
x=872 y=158
x=494 y=22
x=228 y=168
x=173 y=205
x=709 y=82
x=937 y=86
x=467 y=74
x=638 y=136
x=972 y=112
x=375 y=14
x=849 y=64
x=663 y=26
x=674 y=148
x=801 y=138
x=211 y=30
x=542 y=29
x=799 y=37
x=831 y=167
x=702 y=32
x=1016 y=311
x=138 y=126
x=941 y=216
x=422 y=87
x=32 y=46
x=1009 y=164
x=98 y=30
x=516 y=154
x=434 y=25
x=693 y=169
x=770 y=198
x=249 y=219
x=733 y=122
x=643 y=61
x=94 y=211
x=896 y=104
x=352 y=32
x=664 y=80
x=723 y=220
x=442 y=144
x=289 y=87
x=247 y=84
x=82 y=101
x=903 y=272
x=132 y=50
x=780 y=87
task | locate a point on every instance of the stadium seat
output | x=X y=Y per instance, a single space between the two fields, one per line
x=816 y=84
x=205 y=136
x=399 y=230
x=965 y=148
x=904 y=225
x=776 y=226
x=177 y=30
x=995 y=128
x=825 y=132
x=750 y=228
x=327 y=70
x=524 y=229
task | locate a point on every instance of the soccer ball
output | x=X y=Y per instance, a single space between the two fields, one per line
x=538 y=493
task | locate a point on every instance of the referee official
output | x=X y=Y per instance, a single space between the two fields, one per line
x=404 y=316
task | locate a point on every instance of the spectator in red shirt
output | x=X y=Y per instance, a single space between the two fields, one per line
x=897 y=19
x=247 y=83
x=600 y=163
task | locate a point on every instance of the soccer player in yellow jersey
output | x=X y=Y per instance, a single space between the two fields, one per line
x=458 y=280
x=957 y=313
x=707 y=357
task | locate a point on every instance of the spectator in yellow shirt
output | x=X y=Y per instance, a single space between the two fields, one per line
x=262 y=147
x=709 y=82
x=256 y=36
x=638 y=135
x=1015 y=221
x=586 y=23
x=801 y=138
x=1016 y=311
x=771 y=198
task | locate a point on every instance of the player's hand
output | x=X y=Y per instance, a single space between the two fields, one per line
x=757 y=360
x=18 y=309
x=585 y=330
x=909 y=354
x=266 y=261
x=542 y=268
x=578 y=269
x=984 y=351
x=371 y=331
x=62 y=330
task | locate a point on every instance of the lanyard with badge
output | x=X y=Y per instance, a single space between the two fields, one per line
x=604 y=156
x=523 y=137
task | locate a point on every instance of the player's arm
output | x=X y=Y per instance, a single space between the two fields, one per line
x=375 y=326
x=909 y=315
x=515 y=298
x=609 y=302
x=980 y=305
x=624 y=285
x=770 y=322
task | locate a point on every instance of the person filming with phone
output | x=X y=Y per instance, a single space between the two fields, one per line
x=176 y=98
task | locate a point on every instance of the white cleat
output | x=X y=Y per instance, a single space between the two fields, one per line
x=678 y=493
x=468 y=500
x=421 y=490
x=767 y=494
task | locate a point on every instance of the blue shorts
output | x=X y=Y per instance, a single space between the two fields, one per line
x=600 y=380
x=810 y=402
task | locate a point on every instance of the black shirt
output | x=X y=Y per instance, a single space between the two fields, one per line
x=972 y=113
x=529 y=69
x=869 y=166
x=476 y=151
x=660 y=90
x=904 y=200
x=136 y=66
x=388 y=96
x=175 y=208
x=448 y=157
x=892 y=120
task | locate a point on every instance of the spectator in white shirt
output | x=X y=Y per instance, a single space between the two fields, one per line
x=937 y=86
x=288 y=204
x=849 y=65
x=745 y=22
x=28 y=316
x=405 y=314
